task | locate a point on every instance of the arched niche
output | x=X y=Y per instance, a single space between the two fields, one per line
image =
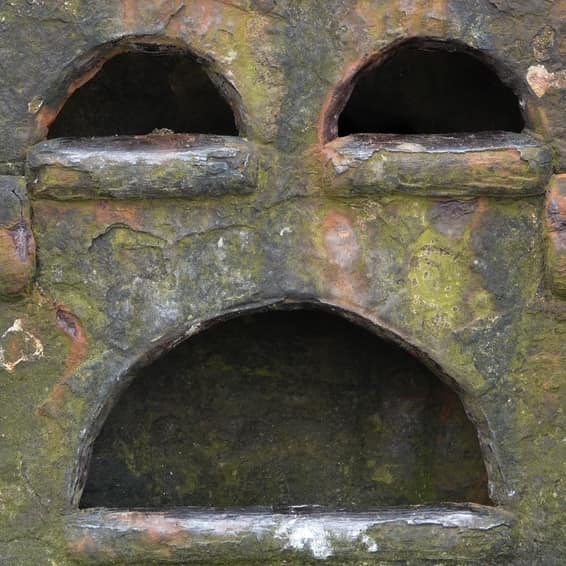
x=427 y=86
x=139 y=86
x=285 y=408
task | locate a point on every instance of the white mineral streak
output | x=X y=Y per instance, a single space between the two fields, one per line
x=301 y=534
x=319 y=534
x=312 y=534
x=27 y=346
x=410 y=147
x=230 y=57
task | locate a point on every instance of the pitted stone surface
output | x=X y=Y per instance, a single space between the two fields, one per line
x=460 y=278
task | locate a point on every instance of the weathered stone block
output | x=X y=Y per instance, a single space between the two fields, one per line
x=17 y=245
x=153 y=166
x=432 y=238
x=556 y=232
x=482 y=164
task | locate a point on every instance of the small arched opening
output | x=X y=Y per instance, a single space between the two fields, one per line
x=427 y=86
x=285 y=408
x=147 y=88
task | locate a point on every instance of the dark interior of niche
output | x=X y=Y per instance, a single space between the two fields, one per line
x=136 y=93
x=285 y=408
x=430 y=88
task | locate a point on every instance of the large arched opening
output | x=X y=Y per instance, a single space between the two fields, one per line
x=285 y=408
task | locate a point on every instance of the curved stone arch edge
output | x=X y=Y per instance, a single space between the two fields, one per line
x=119 y=370
x=339 y=94
x=89 y=63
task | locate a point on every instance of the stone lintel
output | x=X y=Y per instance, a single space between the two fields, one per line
x=497 y=164
x=303 y=533
x=152 y=166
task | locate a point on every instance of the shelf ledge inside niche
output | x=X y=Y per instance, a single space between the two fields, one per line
x=455 y=531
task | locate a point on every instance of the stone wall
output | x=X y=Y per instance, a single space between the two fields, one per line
x=113 y=251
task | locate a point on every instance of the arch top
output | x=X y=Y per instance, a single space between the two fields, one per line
x=114 y=376
x=285 y=399
x=137 y=85
x=428 y=85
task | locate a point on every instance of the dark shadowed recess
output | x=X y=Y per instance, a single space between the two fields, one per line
x=430 y=87
x=137 y=92
x=286 y=408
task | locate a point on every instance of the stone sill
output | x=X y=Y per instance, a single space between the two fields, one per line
x=464 y=532
x=502 y=164
x=152 y=166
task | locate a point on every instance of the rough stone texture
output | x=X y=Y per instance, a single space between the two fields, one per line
x=434 y=165
x=461 y=281
x=258 y=536
x=556 y=226
x=153 y=166
x=17 y=245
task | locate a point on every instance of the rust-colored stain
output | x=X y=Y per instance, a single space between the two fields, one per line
x=17 y=257
x=85 y=77
x=107 y=213
x=72 y=327
x=175 y=24
x=556 y=212
x=478 y=213
x=342 y=251
x=206 y=11
x=493 y=161
x=340 y=240
x=129 y=12
x=336 y=98
x=156 y=526
x=48 y=113
x=44 y=118
x=83 y=545
x=78 y=348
